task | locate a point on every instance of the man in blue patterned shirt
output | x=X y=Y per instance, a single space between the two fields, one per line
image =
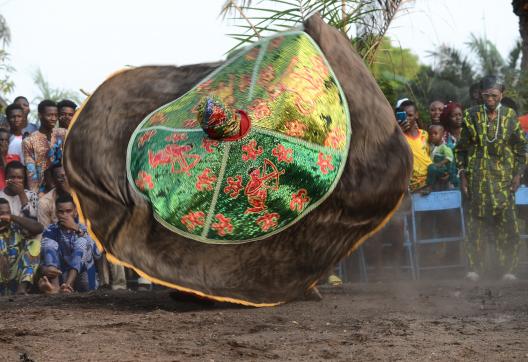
x=67 y=253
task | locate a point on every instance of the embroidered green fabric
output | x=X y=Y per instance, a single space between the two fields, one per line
x=217 y=191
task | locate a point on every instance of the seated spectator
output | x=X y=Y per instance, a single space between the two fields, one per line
x=5 y=158
x=443 y=162
x=435 y=110
x=15 y=115
x=46 y=208
x=21 y=201
x=28 y=127
x=67 y=253
x=67 y=109
x=43 y=147
x=19 y=254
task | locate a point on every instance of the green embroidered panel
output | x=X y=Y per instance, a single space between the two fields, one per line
x=289 y=161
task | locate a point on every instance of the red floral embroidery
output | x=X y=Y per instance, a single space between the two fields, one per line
x=268 y=221
x=145 y=137
x=244 y=82
x=295 y=129
x=261 y=180
x=174 y=154
x=276 y=42
x=266 y=76
x=144 y=181
x=259 y=109
x=205 y=86
x=158 y=158
x=223 y=226
x=252 y=54
x=193 y=220
x=319 y=66
x=208 y=143
x=335 y=138
x=234 y=186
x=158 y=118
x=282 y=153
x=325 y=163
x=299 y=200
x=175 y=137
x=205 y=180
x=190 y=123
x=251 y=151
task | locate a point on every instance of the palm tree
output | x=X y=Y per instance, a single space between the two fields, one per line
x=6 y=84
x=364 y=22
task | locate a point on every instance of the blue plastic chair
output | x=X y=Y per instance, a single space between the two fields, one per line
x=521 y=199
x=437 y=201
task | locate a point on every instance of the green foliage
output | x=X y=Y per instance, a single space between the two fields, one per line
x=48 y=92
x=6 y=84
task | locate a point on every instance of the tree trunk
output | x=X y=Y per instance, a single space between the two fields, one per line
x=520 y=8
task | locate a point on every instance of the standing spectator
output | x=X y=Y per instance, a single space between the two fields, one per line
x=22 y=202
x=19 y=255
x=67 y=109
x=452 y=119
x=28 y=127
x=15 y=117
x=491 y=154
x=67 y=253
x=435 y=111
x=5 y=158
x=43 y=147
x=474 y=95
x=418 y=141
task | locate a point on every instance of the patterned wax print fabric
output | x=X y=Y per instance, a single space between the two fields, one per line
x=245 y=189
x=65 y=250
x=491 y=153
x=28 y=210
x=46 y=209
x=421 y=160
x=40 y=153
x=19 y=259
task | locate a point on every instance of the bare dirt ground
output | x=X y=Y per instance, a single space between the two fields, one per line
x=441 y=321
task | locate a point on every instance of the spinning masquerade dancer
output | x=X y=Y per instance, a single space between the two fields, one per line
x=243 y=181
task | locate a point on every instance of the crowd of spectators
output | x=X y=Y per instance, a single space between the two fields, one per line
x=43 y=246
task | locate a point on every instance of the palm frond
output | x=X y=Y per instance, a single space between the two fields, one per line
x=488 y=56
x=5 y=33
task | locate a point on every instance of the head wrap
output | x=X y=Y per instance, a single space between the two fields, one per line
x=491 y=81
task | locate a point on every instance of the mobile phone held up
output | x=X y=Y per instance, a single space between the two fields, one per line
x=401 y=117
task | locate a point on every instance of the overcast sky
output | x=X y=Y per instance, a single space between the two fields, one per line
x=77 y=44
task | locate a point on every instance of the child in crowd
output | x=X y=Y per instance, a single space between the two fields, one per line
x=440 y=173
x=435 y=111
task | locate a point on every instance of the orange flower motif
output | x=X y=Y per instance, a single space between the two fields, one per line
x=190 y=123
x=335 y=139
x=234 y=186
x=223 y=226
x=282 y=153
x=295 y=129
x=144 y=181
x=266 y=76
x=276 y=42
x=268 y=221
x=175 y=137
x=193 y=220
x=299 y=200
x=158 y=118
x=205 y=86
x=251 y=151
x=205 y=181
x=259 y=109
x=325 y=163
x=244 y=82
x=145 y=137
x=319 y=66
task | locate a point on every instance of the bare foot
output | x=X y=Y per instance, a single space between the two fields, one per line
x=46 y=287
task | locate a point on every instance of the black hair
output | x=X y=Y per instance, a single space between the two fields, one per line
x=406 y=104
x=510 y=103
x=53 y=167
x=46 y=103
x=12 y=107
x=3 y=201
x=17 y=165
x=20 y=97
x=63 y=199
x=491 y=81
x=4 y=130
x=437 y=125
x=66 y=103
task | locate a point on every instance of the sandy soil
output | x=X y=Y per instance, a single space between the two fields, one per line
x=380 y=321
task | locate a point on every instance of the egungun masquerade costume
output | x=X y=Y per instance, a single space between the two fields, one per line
x=245 y=181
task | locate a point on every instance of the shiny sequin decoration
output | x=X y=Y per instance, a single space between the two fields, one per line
x=228 y=192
